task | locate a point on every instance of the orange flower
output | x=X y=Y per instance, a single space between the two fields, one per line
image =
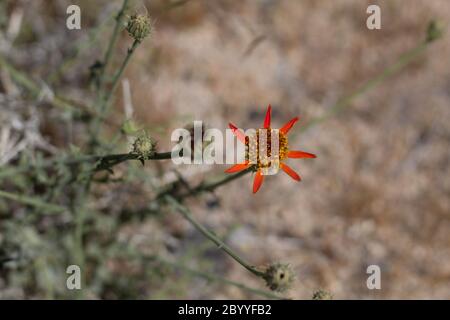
x=263 y=164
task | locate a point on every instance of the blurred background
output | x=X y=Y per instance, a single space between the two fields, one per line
x=378 y=193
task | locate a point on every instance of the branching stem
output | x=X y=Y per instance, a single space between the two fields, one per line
x=185 y=212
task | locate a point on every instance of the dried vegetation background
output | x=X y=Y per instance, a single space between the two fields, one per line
x=379 y=192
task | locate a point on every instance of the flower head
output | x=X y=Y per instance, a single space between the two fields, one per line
x=279 y=277
x=322 y=295
x=144 y=147
x=263 y=155
x=139 y=26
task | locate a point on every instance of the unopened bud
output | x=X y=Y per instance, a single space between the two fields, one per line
x=139 y=26
x=279 y=277
x=144 y=147
x=434 y=31
x=322 y=295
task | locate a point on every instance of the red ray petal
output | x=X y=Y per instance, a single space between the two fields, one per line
x=290 y=172
x=267 y=119
x=300 y=154
x=237 y=133
x=257 y=182
x=285 y=129
x=238 y=167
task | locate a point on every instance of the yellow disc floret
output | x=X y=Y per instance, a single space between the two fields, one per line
x=264 y=150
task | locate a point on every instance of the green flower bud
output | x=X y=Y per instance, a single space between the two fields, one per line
x=322 y=295
x=139 y=27
x=144 y=147
x=434 y=31
x=279 y=277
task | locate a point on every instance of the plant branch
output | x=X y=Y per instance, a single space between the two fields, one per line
x=103 y=110
x=389 y=71
x=109 y=161
x=212 y=277
x=35 y=202
x=204 y=186
x=112 y=44
x=212 y=185
x=211 y=236
x=24 y=81
x=104 y=162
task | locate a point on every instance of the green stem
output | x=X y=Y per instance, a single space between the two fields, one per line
x=212 y=277
x=119 y=73
x=35 y=202
x=104 y=162
x=107 y=162
x=103 y=110
x=212 y=185
x=216 y=240
x=204 y=186
x=23 y=80
x=112 y=44
x=345 y=102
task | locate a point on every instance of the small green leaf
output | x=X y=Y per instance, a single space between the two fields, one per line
x=129 y=127
x=74 y=150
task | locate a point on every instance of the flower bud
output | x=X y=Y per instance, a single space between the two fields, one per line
x=322 y=295
x=279 y=277
x=139 y=27
x=434 y=31
x=144 y=147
